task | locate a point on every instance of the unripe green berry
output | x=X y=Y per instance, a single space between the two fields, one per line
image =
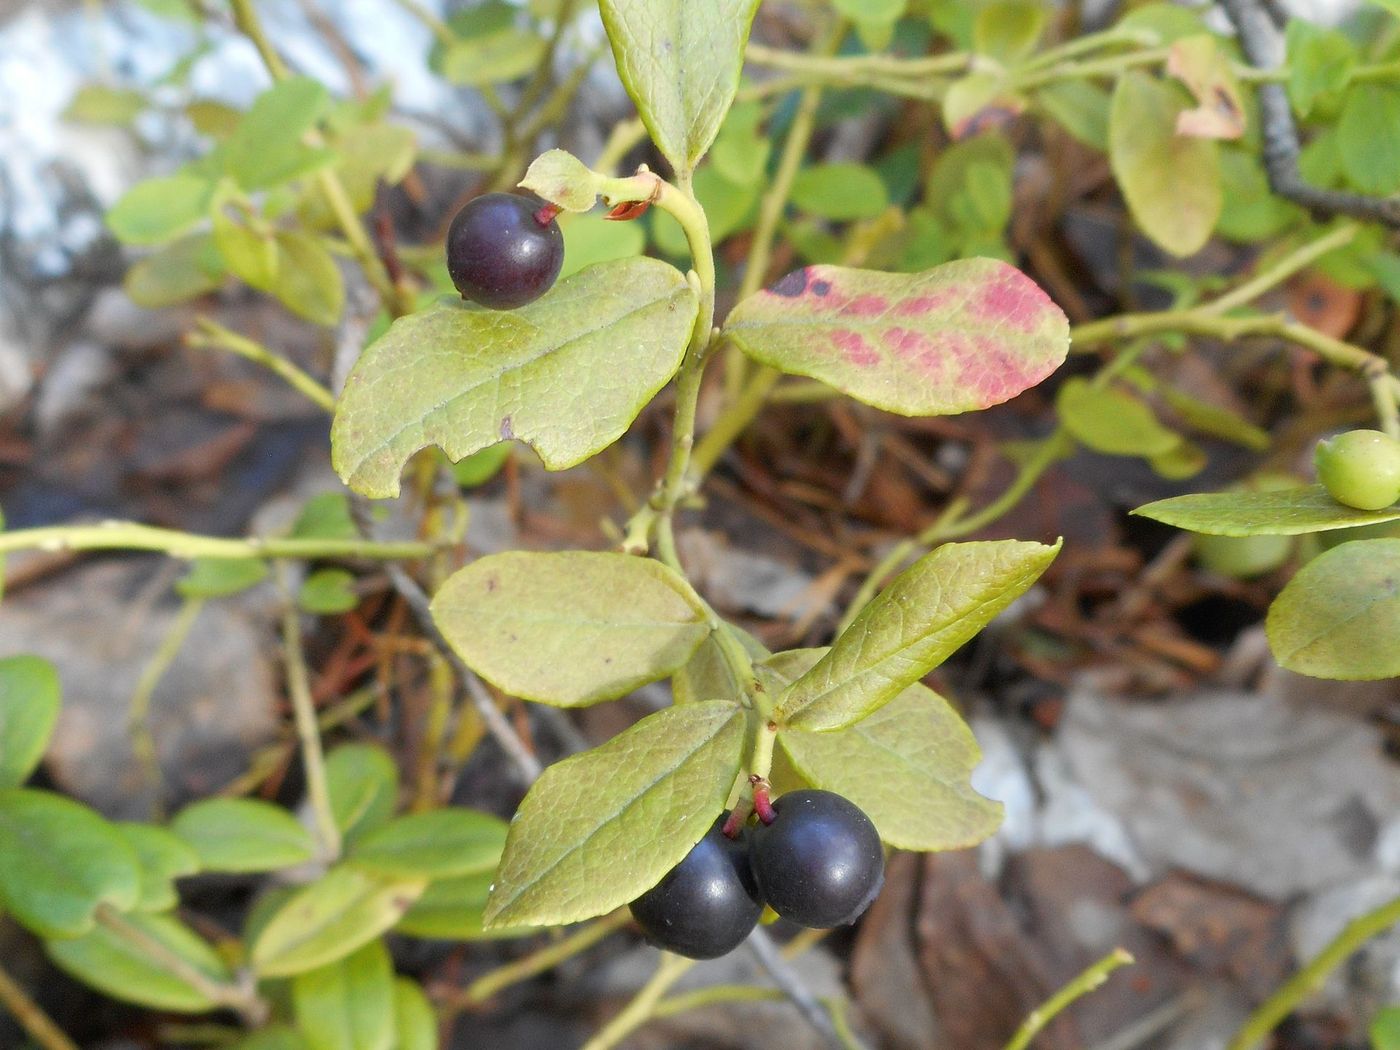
x=1360 y=468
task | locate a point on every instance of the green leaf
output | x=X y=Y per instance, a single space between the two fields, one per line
x=116 y=967
x=559 y=177
x=266 y=148
x=964 y=335
x=348 y=1004
x=98 y=104
x=30 y=697
x=680 y=62
x=907 y=765
x=980 y=99
x=727 y=205
x=328 y=919
x=415 y=1021
x=570 y=628
x=220 y=577
x=243 y=835
x=741 y=153
x=159 y=210
x=1007 y=30
x=1171 y=182
x=439 y=844
x=1111 y=420
x=493 y=56
x=250 y=255
x=183 y=269
x=1320 y=64
x=1368 y=135
x=879 y=11
x=1081 y=108
x=840 y=191
x=1289 y=512
x=308 y=281
x=1251 y=212
x=274 y=1037
x=58 y=861
x=602 y=827
x=163 y=857
x=452 y=910
x=1168 y=21
x=1385 y=1029
x=925 y=614
x=328 y=592
x=590 y=239
x=707 y=674
x=363 y=782
x=1339 y=617
x=480 y=467
x=326 y=516
x=566 y=374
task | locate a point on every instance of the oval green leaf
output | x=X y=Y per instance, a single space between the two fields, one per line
x=58 y=861
x=1339 y=617
x=158 y=210
x=163 y=857
x=328 y=919
x=602 y=827
x=907 y=766
x=570 y=628
x=181 y=270
x=363 y=782
x=452 y=910
x=1171 y=182
x=243 y=835
x=840 y=191
x=29 y=702
x=116 y=967
x=1112 y=421
x=415 y=1021
x=1285 y=512
x=440 y=844
x=680 y=62
x=925 y=614
x=1368 y=134
x=964 y=335
x=348 y=1004
x=566 y=374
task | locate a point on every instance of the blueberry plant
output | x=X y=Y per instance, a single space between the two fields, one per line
x=773 y=779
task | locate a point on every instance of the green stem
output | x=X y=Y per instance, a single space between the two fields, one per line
x=489 y=985
x=209 y=334
x=309 y=735
x=1100 y=67
x=245 y=1001
x=138 y=717
x=133 y=536
x=1282 y=270
x=30 y=1016
x=1089 y=42
x=245 y=18
x=639 y=1011
x=1086 y=982
x=713 y=996
x=848 y=69
x=1312 y=976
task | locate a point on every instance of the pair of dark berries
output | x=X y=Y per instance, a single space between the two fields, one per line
x=504 y=250
x=817 y=863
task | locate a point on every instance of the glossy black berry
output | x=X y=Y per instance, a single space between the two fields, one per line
x=819 y=863
x=500 y=254
x=707 y=904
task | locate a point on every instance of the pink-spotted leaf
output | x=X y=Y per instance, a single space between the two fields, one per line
x=965 y=335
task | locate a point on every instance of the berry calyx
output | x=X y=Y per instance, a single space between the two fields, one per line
x=819 y=863
x=1360 y=469
x=707 y=904
x=504 y=250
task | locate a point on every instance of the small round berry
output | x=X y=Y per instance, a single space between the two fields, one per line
x=819 y=863
x=1360 y=469
x=504 y=250
x=707 y=904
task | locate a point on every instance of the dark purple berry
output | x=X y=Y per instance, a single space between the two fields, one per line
x=707 y=904
x=504 y=250
x=819 y=863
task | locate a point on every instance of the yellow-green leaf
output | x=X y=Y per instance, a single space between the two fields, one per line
x=29 y=701
x=680 y=62
x=566 y=374
x=1170 y=181
x=1287 y=512
x=243 y=835
x=348 y=1004
x=925 y=614
x=439 y=844
x=163 y=857
x=570 y=628
x=600 y=828
x=1111 y=420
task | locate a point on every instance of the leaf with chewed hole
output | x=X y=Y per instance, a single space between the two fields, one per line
x=962 y=336
x=600 y=828
x=566 y=374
